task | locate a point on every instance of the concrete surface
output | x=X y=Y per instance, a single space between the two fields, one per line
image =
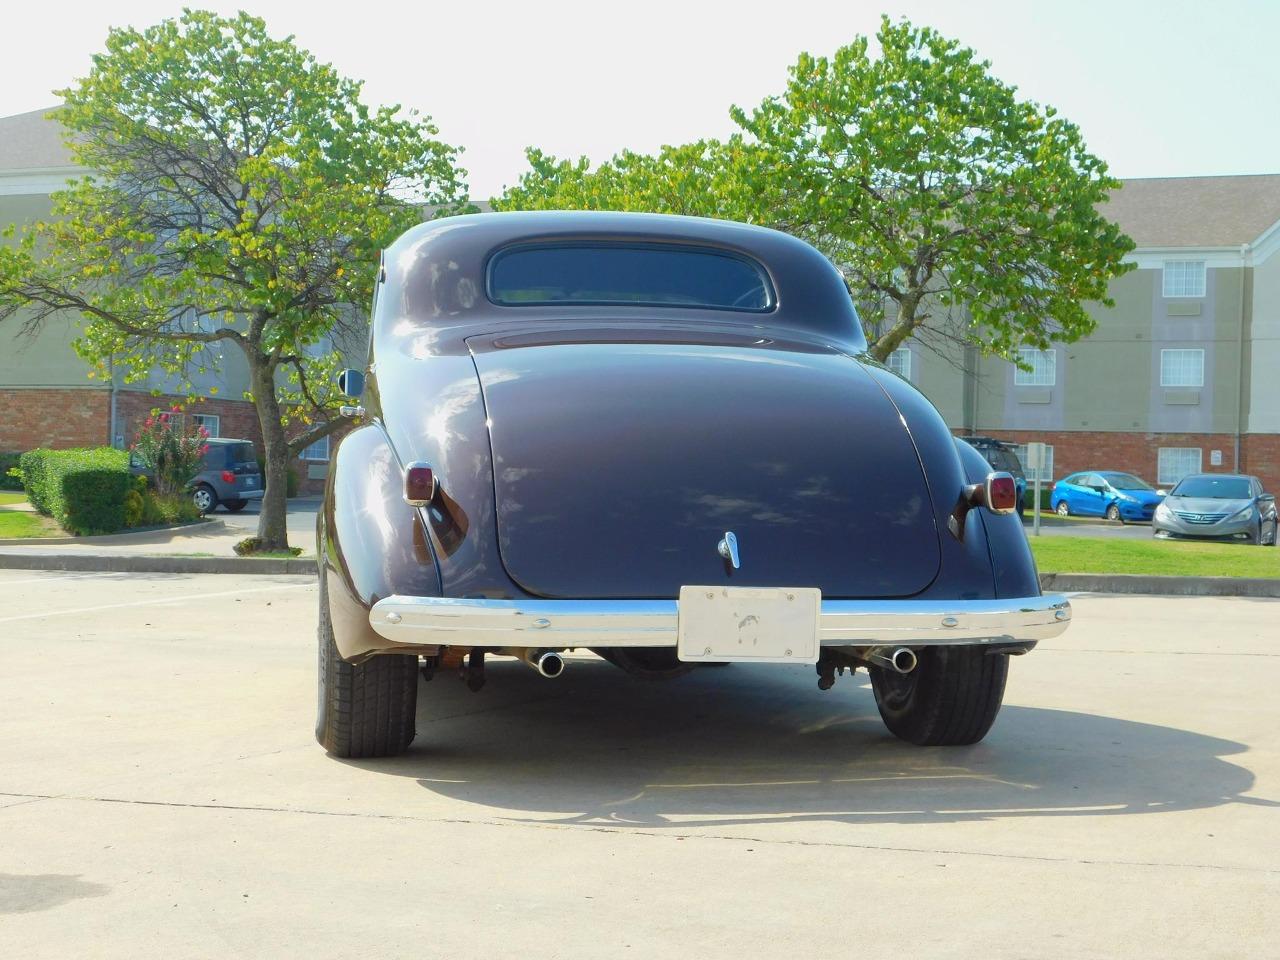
x=84 y=562
x=214 y=539
x=1052 y=526
x=301 y=521
x=1160 y=585
x=161 y=796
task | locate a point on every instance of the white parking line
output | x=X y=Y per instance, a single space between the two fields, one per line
x=147 y=603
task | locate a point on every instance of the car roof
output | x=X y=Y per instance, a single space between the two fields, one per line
x=1219 y=476
x=989 y=440
x=436 y=274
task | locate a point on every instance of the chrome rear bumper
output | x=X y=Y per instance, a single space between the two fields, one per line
x=426 y=621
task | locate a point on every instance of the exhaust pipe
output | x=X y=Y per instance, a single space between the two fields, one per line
x=900 y=659
x=547 y=663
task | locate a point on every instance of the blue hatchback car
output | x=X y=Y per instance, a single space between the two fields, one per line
x=1105 y=493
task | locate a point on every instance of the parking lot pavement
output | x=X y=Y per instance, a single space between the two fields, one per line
x=301 y=520
x=1087 y=528
x=161 y=795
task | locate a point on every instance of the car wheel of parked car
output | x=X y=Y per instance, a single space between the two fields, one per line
x=235 y=506
x=951 y=698
x=365 y=709
x=204 y=498
x=1063 y=510
x=1113 y=513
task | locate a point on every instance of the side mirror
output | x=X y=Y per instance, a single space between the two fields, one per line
x=351 y=382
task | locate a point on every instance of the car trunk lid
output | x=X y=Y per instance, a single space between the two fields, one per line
x=619 y=466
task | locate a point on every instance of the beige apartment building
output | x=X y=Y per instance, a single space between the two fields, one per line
x=48 y=395
x=1181 y=375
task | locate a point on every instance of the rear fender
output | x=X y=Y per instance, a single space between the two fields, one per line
x=371 y=544
x=1012 y=563
x=966 y=571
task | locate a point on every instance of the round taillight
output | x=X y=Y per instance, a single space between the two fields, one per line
x=419 y=484
x=228 y=476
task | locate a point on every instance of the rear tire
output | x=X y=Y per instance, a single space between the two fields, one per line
x=365 y=709
x=235 y=506
x=950 y=699
x=1063 y=510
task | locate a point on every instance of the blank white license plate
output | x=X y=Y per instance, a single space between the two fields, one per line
x=750 y=624
x=250 y=482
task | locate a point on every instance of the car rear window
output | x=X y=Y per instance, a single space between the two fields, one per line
x=1002 y=458
x=222 y=456
x=653 y=275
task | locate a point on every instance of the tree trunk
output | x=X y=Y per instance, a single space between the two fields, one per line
x=903 y=326
x=272 y=530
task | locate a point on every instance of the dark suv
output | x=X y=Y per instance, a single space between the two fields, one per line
x=229 y=475
x=1002 y=455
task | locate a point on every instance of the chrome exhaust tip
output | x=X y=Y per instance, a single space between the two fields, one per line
x=548 y=663
x=903 y=660
x=898 y=659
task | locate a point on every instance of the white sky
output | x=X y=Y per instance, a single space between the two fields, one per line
x=1159 y=88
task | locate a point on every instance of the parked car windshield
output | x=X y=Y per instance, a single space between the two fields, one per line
x=1213 y=488
x=659 y=275
x=1126 y=481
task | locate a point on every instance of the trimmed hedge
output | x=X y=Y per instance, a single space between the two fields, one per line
x=84 y=490
x=9 y=461
x=1046 y=490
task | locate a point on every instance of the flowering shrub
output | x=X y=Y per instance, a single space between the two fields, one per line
x=172 y=456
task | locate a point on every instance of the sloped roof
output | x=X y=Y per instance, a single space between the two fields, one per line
x=31 y=141
x=1196 y=211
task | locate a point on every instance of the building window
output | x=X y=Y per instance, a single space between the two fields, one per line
x=1046 y=471
x=1174 y=463
x=1043 y=364
x=207 y=420
x=317 y=451
x=900 y=362
x=1182 y=368
x=1183 y=278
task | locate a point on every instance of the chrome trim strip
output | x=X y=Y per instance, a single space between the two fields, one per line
x=423 y=621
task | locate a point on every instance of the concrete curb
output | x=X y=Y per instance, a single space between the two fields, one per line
x=98 y=563
x=1064 y=582
x=1160 y=586
x=110 y=539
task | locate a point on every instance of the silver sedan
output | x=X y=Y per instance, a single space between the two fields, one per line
x=1218 y=506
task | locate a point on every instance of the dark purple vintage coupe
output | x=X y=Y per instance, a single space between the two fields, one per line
x=660 y=439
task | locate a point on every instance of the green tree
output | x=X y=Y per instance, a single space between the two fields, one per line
x=948 y=203
x=707 y=178
x=241 y=195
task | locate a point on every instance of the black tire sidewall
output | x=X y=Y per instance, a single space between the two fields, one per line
x=951 y=699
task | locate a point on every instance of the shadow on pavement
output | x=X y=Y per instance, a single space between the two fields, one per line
x=739 y=744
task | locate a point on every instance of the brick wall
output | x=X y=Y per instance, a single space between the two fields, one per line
x=62 y=418
x=53 y=417
x=1138 y=453
x=1261 y=456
